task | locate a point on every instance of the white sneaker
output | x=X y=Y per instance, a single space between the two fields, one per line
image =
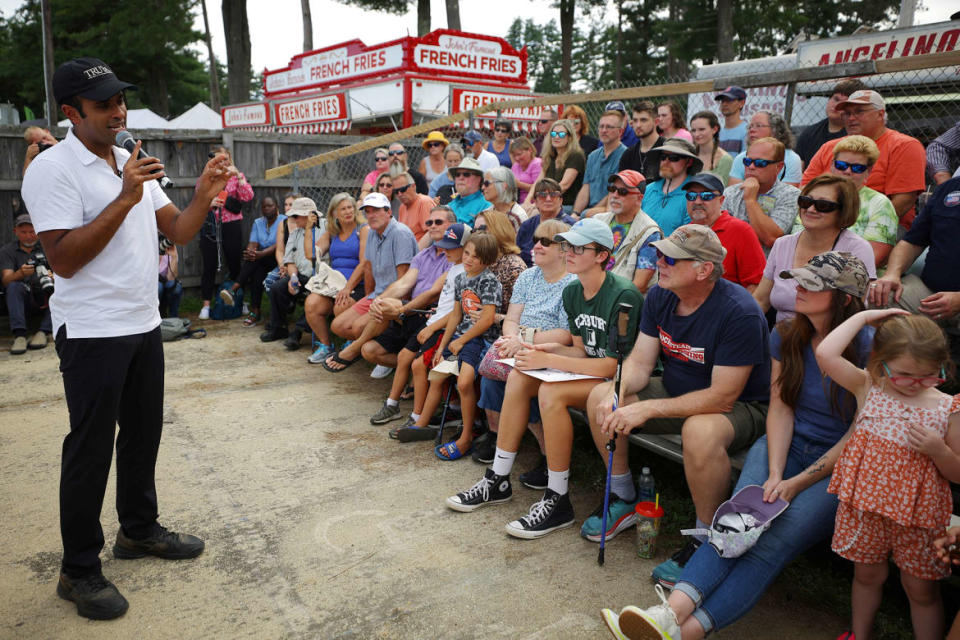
x=635 y=622
x=246 y=309
x=379 y=372
x=227 y=296
x=204 y=314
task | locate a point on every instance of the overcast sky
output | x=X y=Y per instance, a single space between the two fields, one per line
x=276 y=31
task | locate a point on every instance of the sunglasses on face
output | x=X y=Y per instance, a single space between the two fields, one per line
x=558 y=134
x=566 y=247
x=487 y=183
x=667 y=259
x=402 y=189
x=760 y=162
x=623 y=191
x=912 y=381
x=430 y=223
x=385 y=185
x=503 y=130
x=463 y=174
x=396 y=153
x=381 y=158
x=706 y=196
x=823 y=206
x=843 y=166
x=434 y=144
x=673 y=157
x=545 y=242
x=547 y=194
x=544 y=120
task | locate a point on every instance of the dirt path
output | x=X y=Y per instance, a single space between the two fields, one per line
x=317 y=525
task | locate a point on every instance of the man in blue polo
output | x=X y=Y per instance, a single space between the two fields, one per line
x=665 y=199
x=601 y=164
x=469 y=200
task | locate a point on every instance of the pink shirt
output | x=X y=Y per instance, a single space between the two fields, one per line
x=528 y=175
x=371 y=178
x=242 y=192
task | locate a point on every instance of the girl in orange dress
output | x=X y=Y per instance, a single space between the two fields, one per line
x=892 y=477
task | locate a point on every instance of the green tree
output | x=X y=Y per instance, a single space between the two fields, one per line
x=543 y=52
x=146 y=42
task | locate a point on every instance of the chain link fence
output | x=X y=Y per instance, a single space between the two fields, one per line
x=922 y=95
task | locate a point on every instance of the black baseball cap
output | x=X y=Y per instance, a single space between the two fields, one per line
x=708 y=181
x=89 y=78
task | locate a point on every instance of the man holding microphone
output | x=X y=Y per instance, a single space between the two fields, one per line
x=97 y=209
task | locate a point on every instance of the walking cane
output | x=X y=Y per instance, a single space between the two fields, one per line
x=620 y=343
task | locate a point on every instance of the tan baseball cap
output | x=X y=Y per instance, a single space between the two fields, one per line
x=864 y=96
x=693 y=242
x=840 y=270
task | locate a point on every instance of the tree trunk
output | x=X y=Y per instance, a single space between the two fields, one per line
x=724 y=30
x=453 y=15
x=237 y=32
x=567 y=11
x=46 y=28
x=423 y=17
x=618 y=69
x=673 y=65
x=307 y=25
x=157 y=94
x=214 y=80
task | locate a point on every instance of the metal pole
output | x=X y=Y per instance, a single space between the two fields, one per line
x=47 y=35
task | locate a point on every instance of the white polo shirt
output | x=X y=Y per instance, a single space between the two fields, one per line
x=115 y=294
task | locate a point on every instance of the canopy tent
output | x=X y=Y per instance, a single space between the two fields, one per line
x=199 y=116
x=137 y=119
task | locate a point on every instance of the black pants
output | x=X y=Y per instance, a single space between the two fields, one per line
x=231 y=237
x=252 y=273
x=283 y=302
x=108 y=381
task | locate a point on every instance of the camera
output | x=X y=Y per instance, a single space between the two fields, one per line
x=43 y=146
x=163 y=243
x=39 y=262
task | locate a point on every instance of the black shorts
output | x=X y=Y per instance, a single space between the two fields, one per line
x=403 y=335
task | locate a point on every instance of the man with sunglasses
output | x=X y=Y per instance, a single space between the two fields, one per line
x=414 y=207
x=663 y=199
x=548 y=200
x=601 y=164
x=745 y=261
x=399 y=162
x=547 y=118
x=467 y=179
x=714 y=344
x=899 y=172
x=591 y=303
x=769 y=205
x=473 y=143
x=633 y=231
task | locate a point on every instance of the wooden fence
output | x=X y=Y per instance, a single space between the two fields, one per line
x=184 y=154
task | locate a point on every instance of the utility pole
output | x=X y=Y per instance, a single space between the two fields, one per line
x=47 y=35
x=907 y=8
x=214 y=80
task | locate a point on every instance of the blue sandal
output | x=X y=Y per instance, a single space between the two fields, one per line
x=450 y=451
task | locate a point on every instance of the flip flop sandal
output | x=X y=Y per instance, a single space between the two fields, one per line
x=450 y=451
x=336 y=358
x=416 y=434
x=407 y=394
x=196 y=333
x=251 y=320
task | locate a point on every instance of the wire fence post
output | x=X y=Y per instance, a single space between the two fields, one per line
x=296 y=179
x=788 y=102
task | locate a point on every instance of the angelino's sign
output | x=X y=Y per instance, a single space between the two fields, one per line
x=334 y=65
x=313 y=109
x=468 y=55
x=466 y=99
x=898 y=43
x=245 y=115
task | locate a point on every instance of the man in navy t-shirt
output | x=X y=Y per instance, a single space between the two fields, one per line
x=714 y=342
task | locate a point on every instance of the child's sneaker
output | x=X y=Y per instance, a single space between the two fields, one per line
x=553 y=511
x=227 y=296
x=204 y=314
x=620 y=515
x=492 y=489
x=386 y=414
x=658 y=621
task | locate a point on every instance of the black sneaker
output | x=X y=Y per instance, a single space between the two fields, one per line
x=492 y=489
x=272 y=334
x=96 y=597
x=553 y=511
x=536 y=478
x=292 y=343
x=484 y=448
x=162 y=543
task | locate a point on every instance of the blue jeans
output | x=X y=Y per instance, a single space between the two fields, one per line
x=170 y=292
x=725 y=589
x=20 y=301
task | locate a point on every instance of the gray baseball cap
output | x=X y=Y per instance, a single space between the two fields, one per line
x=693 y=242
x=588 y=230
x=839 y=270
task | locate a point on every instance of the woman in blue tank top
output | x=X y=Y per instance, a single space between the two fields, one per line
x=345 y=239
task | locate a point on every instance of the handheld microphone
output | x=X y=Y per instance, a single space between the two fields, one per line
x=125 y=139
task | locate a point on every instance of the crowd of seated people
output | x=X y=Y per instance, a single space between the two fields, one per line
x=737 y=256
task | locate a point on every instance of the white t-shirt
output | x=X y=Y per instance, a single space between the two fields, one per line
x=446 y=301
x=115 y=294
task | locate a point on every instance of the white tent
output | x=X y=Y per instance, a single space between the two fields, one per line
x=137 y=119
x=199 y=116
